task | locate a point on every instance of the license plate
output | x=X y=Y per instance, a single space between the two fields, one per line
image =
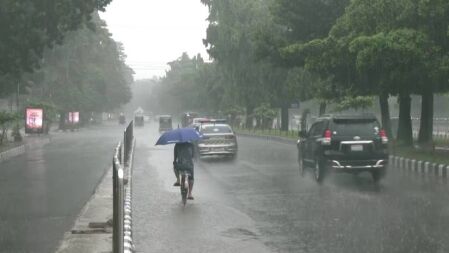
x=356 y=147
x=218 y=149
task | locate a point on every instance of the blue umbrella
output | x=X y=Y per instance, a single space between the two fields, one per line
x=179 y=135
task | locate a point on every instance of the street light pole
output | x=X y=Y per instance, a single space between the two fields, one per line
x=17 y=96
x=17 y=136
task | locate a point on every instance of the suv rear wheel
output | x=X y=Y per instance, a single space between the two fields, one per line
x=378 y=175
x=301 y=165
x=318 y=171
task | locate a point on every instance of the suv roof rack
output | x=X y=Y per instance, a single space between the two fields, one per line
x=213 y=121
x=350 y=116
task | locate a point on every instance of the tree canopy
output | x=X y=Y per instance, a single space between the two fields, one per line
x=28 y=27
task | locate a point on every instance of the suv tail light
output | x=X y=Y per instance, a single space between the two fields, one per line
x=327 y=137
x=383 y=136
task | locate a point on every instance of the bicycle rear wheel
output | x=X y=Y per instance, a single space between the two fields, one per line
x=183 y=189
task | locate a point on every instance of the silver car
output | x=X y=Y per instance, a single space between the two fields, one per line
x=217 y=139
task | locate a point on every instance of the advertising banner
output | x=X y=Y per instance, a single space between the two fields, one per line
x=34 y=122
x=74 y=118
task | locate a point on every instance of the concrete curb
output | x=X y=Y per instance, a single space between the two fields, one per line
x=412 y=165
x=82 y=237
x=419 y=166
x=8 y=154
x=19 y=150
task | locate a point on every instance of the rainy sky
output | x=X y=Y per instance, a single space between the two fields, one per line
x=155 y=32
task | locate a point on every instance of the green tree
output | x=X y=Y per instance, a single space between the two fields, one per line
x=28 y=27
x=86 y=73
x=7 y=120
x=233 y=42
x=385 y=47
x=302 y=21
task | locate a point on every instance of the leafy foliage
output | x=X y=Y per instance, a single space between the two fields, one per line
x=7 y=120
x=87 y=73
x=28 y=27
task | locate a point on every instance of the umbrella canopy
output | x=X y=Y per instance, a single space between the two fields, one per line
x=179 y=135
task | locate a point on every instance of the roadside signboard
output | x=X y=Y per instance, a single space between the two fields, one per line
x=34 y=121
x=74 y=118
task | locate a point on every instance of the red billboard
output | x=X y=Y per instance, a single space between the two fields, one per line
x=74 y=118
x=34 y=122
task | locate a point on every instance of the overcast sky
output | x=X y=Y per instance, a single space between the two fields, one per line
x=155 y=32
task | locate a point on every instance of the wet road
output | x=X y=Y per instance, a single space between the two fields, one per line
x=260 y=203
x=42 y=191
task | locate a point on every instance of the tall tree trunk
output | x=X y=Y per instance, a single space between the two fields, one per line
x=426 y=124
x=62 y=120
x=249 y=116
x=304 y=115
x=323 y=106
x=385 y=113
x=405 y=136
x=284 y=117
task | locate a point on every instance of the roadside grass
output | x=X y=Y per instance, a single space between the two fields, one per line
x=291 y=134
x=428 y=155
x=441 y=142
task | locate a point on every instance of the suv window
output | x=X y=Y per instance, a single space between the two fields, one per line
x=317 y=129
x=351 y=127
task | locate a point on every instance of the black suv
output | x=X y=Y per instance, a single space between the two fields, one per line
x=343 y=143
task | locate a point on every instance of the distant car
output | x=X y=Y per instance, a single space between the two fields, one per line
x=187 y=118
x=139 y=120
x=218 y=139
x=196 y=122
x=340 y=143
x=165 y=123
x=121 y=119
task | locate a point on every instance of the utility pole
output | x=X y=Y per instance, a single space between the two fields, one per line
x=16 y=132
x=17 y=96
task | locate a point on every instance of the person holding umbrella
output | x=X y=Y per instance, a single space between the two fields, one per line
x=183 y=160
x=183 y=152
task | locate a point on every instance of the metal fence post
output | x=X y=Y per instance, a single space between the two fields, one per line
x=115 y=203
x=122 y=213
x=118 y=201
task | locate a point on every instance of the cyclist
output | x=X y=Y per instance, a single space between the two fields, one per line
x=183 y=160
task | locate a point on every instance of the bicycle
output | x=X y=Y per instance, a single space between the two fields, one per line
x=185 y=177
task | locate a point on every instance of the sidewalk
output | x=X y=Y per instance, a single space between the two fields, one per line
x=89 y=233
x=13 y=149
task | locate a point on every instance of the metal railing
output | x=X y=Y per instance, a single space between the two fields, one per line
x=122 y=164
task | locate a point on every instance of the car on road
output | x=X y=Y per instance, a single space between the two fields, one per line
x=218 y=139
x=344 y=143
x=165 y=123
x=187 y=118
x=139 y=120
x=196 y=122
x=121 y=119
